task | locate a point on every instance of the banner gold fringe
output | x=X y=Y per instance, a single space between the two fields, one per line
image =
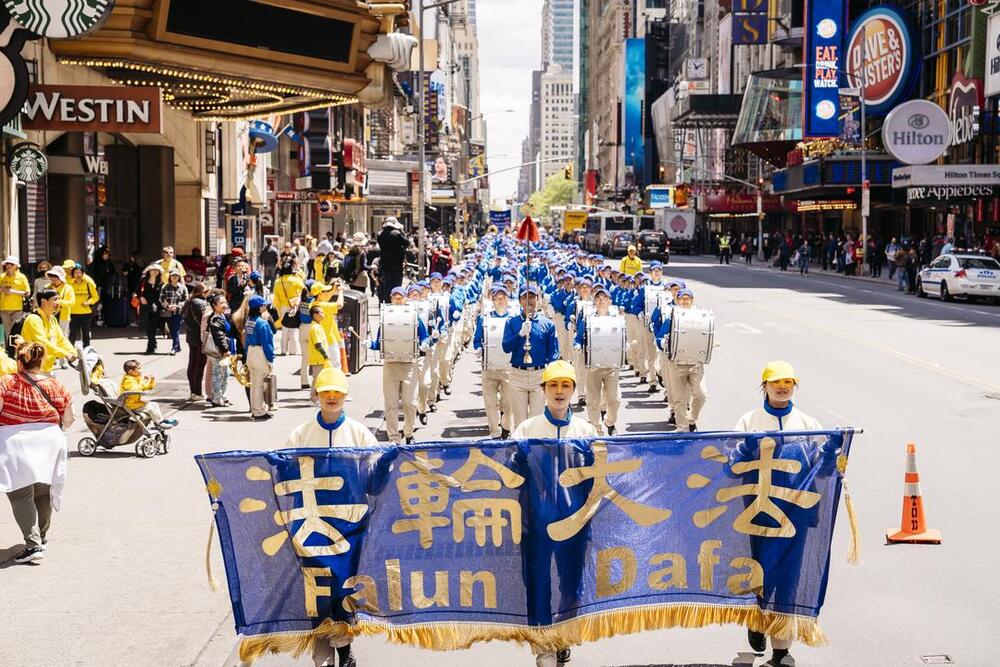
x=629 y=620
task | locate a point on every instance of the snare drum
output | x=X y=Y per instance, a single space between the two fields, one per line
x=652 y=296
x=399 y=332
x=494 y=358
x=605 y=342
x=692 y=334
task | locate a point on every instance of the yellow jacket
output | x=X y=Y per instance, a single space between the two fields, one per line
x=67 y=297
x=17 y=282
x=8 y=366
x=317 y=336
x=287 y=288
x=318 y=268
x=330 y=310
x=172 y=264
x=133 y=383
x=85 y=295
x=630 y=266
x=46 y=330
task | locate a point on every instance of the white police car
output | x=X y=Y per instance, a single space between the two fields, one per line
x=951 y=275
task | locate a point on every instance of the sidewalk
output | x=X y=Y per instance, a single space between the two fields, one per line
x=815 y=269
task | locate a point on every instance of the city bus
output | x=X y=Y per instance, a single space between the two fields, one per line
x=602 y=228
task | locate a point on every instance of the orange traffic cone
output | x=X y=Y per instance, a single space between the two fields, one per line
x=913 y=527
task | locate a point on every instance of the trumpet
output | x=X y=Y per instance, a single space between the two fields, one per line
x=240 y=371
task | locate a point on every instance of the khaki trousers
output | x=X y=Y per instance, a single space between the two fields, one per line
x=526 y=396
x=423 y=378
x=32 y=507
x=9 y=317
x=398 y=384
x=632 y=328
x=259 y=370
x=289 y=337
x=651 y=356
x=687 y=393
x=603 y=393
x=579 y=363
x=439 y=365
x=303 y=333
x=565 y=341
x=495 y=400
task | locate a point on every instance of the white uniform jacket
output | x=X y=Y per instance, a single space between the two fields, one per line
x=351 y=433
x=542 y=426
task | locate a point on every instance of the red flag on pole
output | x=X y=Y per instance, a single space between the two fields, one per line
x=528 y=231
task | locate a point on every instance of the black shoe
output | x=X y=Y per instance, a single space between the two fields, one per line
x=504 y=434
x=423 y=418
x=263 y=417
x=432 y=408
x=672 y=421
x=583 y=401
x=780 y=658
x=652 y=388
x=693 y=427
x=604 y=414
x=350 y=662
x=447 y=389
x=563 y=656
x=30 y=556
x=611 y=430
x=758 y=641
x=409 y=439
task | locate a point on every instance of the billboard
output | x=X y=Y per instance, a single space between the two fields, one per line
x=749 y=25
x=634 y=105
x=890 y=58
x=823 y=42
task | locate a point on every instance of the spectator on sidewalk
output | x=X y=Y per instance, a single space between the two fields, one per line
x=258 y=338
x=14 y=290
x=41 y=281
x=805 y=256
x=784 y=254
x=103 y=271
x=168 y=263
x=898 y=265
x=149 y=305
x=912 y=267
x=354 y=269
x=891 y=250
x=287 y=292
x=220 y=330
x=849 y=256
x=193 y=314
x=85 y=297
x=269 y=261
x=236 y=283
x=35 y=409
x=57 y=279
x=948 y=246
x=392 y=255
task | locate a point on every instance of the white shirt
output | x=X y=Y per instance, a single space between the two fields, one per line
x=541 y=427
x=761 y=420
x=351 y=433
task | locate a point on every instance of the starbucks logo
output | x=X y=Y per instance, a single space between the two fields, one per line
x=27 y=162
x=60 y=19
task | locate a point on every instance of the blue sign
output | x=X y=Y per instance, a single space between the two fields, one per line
x=443 y=544
x=659 y=197
x=501 y=219
x=635 y=93
x=239 y=235
x=823 y=42
x=750 y=22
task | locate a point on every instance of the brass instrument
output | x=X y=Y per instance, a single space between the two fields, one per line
x=240 y=371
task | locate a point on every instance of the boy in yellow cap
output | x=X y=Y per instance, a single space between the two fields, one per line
x=318 y=353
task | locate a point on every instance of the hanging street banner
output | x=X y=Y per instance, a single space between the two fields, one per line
x=444 y=544
x=749 y=23
x=993 y=56
x=823 y=42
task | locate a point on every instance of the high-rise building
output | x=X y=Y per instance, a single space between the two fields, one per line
x=546 y=33
x=562 y=45
x=558 y=125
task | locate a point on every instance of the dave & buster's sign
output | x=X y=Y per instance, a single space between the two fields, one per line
x=885 y=65
x=823 y=40
x=93 y=109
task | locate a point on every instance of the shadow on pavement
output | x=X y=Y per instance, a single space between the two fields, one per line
x=465 y=432
x=7 y=555
x=651 y=404
x=471 y=413
x=649 y=427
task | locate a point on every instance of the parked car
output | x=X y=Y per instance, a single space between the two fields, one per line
x=968 y=275
x=620 y=243
x=653 y=245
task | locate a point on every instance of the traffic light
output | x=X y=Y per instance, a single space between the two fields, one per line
x=568 y=172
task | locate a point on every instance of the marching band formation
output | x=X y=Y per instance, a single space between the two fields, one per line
x=523 y=310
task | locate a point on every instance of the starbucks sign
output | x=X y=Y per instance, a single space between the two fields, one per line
x=27 y=162
x=917 y=132
x=60 y=19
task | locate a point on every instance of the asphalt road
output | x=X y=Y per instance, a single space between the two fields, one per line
x=124 y=581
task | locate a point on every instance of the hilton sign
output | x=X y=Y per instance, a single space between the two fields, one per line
x=93 y=109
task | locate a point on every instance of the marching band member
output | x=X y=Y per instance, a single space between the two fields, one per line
x=778 y=413
x=398 y=379
x=456 y=306
x=331 y=427
x=560 y=298
x=495 y=380
x=440 y=297
x=685 y=382
x=539 y=333
x=628 y=306
x=603 y=385
x=656 y=324
x=427 y=310
x=558 y=381
x=651 y=368
x=576 y=307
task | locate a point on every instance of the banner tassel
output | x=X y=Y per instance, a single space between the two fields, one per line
x=212 y=581
x=854 y=550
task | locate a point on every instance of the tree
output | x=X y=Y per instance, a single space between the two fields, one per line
x=557 y=192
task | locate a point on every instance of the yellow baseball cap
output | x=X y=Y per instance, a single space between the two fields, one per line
x=319 y=288
x=331 y=379
x=559 y=370
x=778 y=370
x=68 y=264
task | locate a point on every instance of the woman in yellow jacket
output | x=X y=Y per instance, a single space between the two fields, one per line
x=287 y=291
x=67 y=297
x=86 y=296
x=331 y=301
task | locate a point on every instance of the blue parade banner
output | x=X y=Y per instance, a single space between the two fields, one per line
x=501 y=219
x=444 y=544
x=823 y=45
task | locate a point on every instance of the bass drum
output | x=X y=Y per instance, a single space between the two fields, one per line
x=605 y=342
x=494 y=358
x=692 y=335
x=399 y=332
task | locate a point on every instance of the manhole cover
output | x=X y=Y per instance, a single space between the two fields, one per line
x=942 y=659
x=995 y=395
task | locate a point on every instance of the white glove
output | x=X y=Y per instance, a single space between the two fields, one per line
x=526 y=328
x=665 y=343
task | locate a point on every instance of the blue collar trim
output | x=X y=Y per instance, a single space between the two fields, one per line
x=559 y=423
x=335 y=425
x=777 y=412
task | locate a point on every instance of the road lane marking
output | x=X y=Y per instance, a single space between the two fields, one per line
x=743 y=328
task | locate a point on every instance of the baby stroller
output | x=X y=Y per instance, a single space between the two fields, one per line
x=111 y=422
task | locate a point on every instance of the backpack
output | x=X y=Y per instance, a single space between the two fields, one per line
x=15 y=330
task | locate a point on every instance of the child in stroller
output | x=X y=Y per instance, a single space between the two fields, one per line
x=134 y=381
